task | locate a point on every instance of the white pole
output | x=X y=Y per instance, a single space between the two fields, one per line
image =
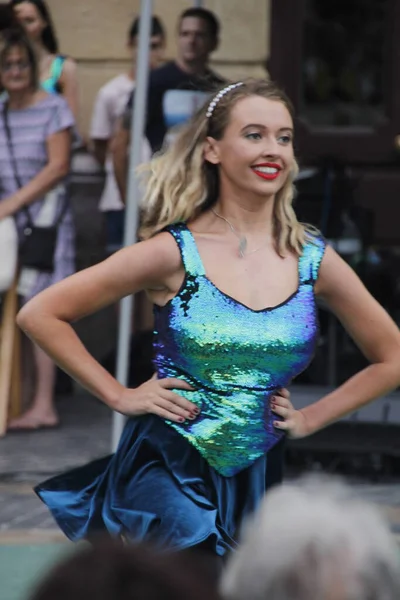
x=132 y=201
x=198 y=3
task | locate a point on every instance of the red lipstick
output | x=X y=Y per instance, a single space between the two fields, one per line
x=268 y=171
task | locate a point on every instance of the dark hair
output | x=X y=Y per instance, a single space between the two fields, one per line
x=157 y=28
x=112 y=571
x=11 y=38
x=49 y=37
x=7 y=17
x=206 y=15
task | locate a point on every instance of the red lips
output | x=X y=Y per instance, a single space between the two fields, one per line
x=268 y=175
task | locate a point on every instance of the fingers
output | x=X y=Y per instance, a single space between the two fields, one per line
x=175 y=412
x=281 y=406
x=173 y=382
x=186 y=408
x=283 y=425
x=165 y=413
x=281 y=411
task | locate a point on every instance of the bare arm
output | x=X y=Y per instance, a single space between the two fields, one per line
x=57 y=167
x=120 y=152
x=99 y=149
x=70 y=87
x=47 y=319
x=373 y=331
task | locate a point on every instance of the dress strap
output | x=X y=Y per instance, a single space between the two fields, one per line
x=57 y=67
x=51 y=84
x=188 y=248
x=311 y=258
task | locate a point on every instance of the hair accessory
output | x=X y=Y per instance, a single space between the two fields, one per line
x=217 y=98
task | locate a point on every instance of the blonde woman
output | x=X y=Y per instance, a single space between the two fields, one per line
x=233 y=277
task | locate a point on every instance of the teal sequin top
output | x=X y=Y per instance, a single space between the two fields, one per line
x=234 y=357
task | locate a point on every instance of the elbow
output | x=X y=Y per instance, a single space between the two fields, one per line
x=24 y=318
x=60 y=170
x=31 y=318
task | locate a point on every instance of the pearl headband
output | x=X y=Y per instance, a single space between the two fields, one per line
x=217 y=98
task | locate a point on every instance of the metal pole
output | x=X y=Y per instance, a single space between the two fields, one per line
x=132 y=201
x=198 y=3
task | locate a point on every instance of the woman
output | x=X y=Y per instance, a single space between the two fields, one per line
x=57 y=73
x=233 y=277
x=34 y=160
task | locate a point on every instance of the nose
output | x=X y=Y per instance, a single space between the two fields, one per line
x=272 y=149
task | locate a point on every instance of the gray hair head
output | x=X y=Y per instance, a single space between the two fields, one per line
x=314 y=540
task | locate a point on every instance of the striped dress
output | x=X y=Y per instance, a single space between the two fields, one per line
x=30 y=128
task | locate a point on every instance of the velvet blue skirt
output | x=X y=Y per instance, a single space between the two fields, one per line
x=158 y=488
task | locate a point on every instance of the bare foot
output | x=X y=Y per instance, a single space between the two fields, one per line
x=32 y=420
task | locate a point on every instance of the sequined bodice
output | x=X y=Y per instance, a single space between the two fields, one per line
x=233 y=356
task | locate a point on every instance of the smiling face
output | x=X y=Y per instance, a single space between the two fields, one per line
x=255 y=154
x=31 y=20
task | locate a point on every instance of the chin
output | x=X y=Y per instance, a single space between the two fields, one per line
x=13 y=89
x=267 y=189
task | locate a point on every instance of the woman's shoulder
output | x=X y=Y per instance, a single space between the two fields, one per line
x=313 y=252
x=69 y=65
x=313 y=238
x=55 y=101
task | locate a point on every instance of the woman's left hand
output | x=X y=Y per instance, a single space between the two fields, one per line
x=293 y=421
x=8 y=207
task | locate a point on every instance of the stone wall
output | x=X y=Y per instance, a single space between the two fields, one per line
x=94 y=33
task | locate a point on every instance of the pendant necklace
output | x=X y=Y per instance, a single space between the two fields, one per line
x=242 y=238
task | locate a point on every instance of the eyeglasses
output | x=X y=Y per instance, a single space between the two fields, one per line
x=21 y=65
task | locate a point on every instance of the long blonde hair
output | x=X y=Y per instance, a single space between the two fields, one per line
x=181 y=184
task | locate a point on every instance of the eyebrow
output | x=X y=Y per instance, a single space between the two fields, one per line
x=264 y=127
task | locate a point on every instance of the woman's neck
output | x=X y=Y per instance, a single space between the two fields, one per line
x=40 y=51
x=44 y=59
x=245 y=216
x=21 y=100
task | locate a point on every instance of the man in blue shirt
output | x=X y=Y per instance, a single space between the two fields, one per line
x=176 y=90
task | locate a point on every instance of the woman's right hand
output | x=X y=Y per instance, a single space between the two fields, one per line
x=156 y=397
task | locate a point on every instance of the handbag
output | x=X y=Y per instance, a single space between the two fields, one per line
x=38 y=245
x=8 y=253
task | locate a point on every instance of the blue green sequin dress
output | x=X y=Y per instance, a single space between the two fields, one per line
x=182 y=485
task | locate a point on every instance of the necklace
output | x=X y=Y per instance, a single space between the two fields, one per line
x=242 y=238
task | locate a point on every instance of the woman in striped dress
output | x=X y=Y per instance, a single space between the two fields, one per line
x=40 y=140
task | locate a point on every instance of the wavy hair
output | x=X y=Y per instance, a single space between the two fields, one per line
x=180 y=184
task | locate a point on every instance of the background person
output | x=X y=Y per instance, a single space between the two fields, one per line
x=314 y=539
x=40 y=138
x=198 y=37
x=118 y=572
x=109 y=106
x=57 y=73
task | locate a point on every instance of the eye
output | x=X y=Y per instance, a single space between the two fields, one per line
x=253 y=136
x=285 y=139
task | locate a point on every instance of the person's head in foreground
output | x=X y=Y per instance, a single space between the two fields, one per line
x=314 y=540
x=237 y=149
x=110 y=571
